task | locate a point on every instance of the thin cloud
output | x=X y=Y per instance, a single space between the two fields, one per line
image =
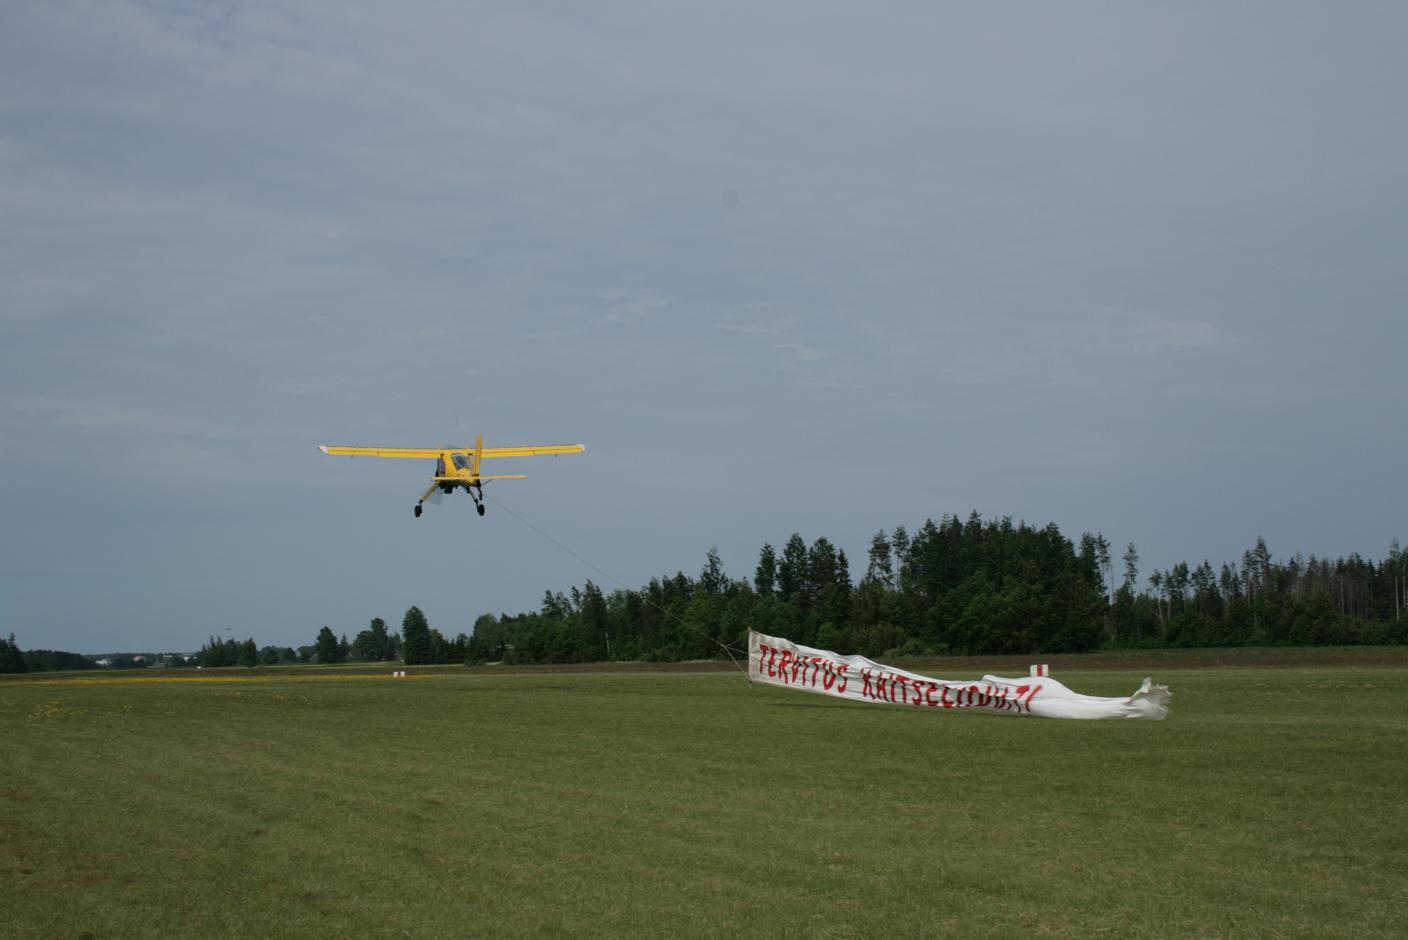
x=629 y=305
x=89 y=414
x=802 y=352
x=1154 y=335
x=758 y=326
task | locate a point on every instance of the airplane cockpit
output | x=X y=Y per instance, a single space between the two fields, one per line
x=461 y=462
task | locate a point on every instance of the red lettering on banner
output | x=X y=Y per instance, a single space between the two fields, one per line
x=792 y=667
x=1032 y=695
x=783 y=664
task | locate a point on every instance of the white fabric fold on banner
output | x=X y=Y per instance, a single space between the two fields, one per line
x=776 y=661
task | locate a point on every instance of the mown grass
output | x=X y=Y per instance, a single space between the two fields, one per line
x=474 y=804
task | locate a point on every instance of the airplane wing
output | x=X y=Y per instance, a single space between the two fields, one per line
x=535 y=451
x=433 y=452
x=421 y=452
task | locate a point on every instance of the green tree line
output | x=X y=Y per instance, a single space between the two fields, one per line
x=962 y=586
x=1261 y=601
x=959 y=586
x=14 y=659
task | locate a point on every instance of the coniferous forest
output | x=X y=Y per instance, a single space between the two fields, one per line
x=963 y=587
x=956 y=587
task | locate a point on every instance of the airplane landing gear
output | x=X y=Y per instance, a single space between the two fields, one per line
x=480 y=507
x=476 y=493
x=417 y=510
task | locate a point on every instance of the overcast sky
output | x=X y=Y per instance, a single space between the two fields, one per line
x=798 y=267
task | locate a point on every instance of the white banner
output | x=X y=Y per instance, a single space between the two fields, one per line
x=775 y=661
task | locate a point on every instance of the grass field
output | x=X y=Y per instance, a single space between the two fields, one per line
x=475 y=803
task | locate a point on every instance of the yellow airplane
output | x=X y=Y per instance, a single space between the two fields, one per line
x=457 y=466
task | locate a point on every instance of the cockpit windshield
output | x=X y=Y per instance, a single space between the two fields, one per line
x=461 y=461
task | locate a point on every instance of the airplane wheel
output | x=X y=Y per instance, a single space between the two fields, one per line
x=480 y=507
x=417 y=510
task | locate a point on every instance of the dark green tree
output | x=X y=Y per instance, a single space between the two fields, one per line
x=11 y=659
x=899 y=545
x=219 y=653
x=415 y=630
x=765 y=577
x=792 y=571
x=594 y=625
x=713 y=580
x=374 y=644
x=880 y=570
x=326 y=647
